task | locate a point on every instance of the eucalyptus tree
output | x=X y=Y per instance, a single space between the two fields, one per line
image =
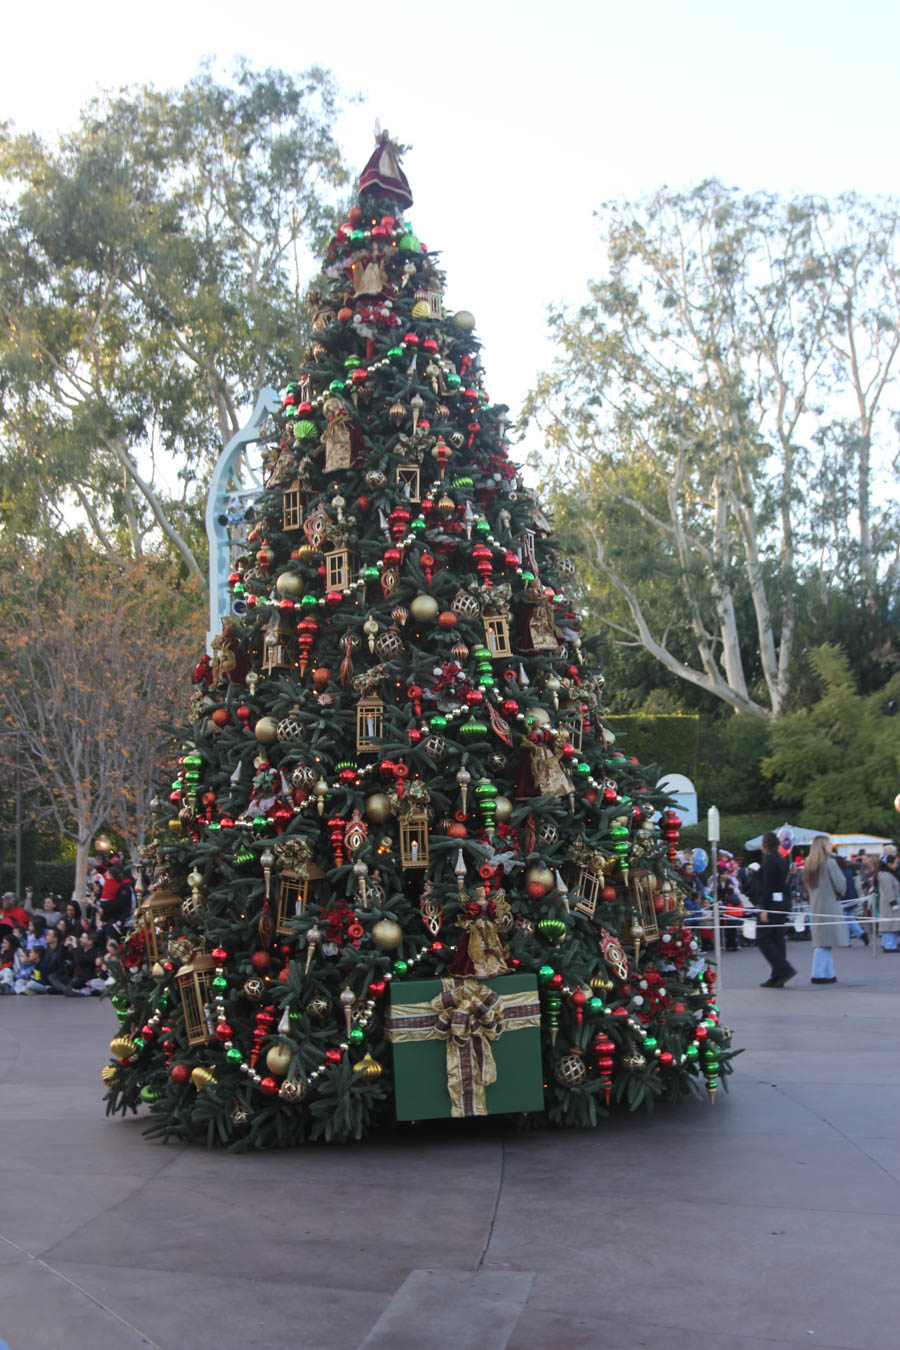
x=718 y=422
x=151 y=268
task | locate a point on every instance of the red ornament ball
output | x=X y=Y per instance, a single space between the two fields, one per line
x=535 y=890
x=333 y=1056
x=180 y=1073
x=355 y=215
x=219 y=955
x=666 y=1057
x=608 y=895
x=221 y=717
x=260 y=961
x=447 y=619
x=269 y=1086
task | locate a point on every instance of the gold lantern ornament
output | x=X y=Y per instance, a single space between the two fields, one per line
x=294 y=894
x=589 y=882
x=496 y=635
x=291 y=506
x=194 y=980
x=408 y=480
x=369 y=724
x=155 y=916
x=414 y=840
x=340 y=567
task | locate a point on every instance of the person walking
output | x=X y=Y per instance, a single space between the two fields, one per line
x=826 y=885
x=775 y=908
x=888 y=889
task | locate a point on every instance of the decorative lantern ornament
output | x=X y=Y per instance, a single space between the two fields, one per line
x=194 y=981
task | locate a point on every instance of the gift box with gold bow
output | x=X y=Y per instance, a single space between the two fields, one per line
x=466 y=1047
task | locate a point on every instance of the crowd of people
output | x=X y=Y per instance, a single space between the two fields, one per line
x=48 y=946
x=813 y=892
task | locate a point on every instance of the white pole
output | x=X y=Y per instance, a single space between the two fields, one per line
x=712 y=834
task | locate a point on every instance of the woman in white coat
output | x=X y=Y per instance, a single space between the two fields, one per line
x=888 y=904
x=826 y=885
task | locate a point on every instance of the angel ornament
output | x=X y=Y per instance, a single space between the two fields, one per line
x=336 y=436
x=545 y=750
x=481 y=951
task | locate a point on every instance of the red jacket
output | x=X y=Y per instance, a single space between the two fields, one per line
x=15 y=916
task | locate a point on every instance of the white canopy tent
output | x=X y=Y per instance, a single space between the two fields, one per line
x=799 y=835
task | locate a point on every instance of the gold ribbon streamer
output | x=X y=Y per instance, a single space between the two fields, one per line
x=468 y=1016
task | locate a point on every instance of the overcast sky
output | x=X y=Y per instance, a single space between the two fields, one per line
x=522 y=117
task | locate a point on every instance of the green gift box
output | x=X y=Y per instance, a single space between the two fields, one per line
x=466 y=1047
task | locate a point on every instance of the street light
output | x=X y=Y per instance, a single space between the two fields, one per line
x=102 y=843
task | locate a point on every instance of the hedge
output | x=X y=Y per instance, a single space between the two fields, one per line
x=668 y=740
x=46 y=874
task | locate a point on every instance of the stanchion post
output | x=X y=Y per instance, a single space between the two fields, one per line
x=712 y=834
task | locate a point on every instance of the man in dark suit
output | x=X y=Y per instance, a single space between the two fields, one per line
x=775 y=908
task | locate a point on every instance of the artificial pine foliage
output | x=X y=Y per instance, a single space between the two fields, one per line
x=397 y=763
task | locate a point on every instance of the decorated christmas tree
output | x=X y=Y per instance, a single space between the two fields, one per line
x=404 y=873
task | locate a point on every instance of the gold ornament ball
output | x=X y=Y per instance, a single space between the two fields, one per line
x=278 y=1059
x=289 y=584
x=307 y=553
x=464 y=320
x=378 y=807
x=292 y=1091
x=542 y=875
x=319 y=1006
x=123 y=1047
x=537 y=717
x=202 y=1078
x=266 y=731
x=503 y=808
x=387 y=934
x=570 y=1070
x=420 y=309
x=368 y=1067
x=424 y=608
x=109 y=1074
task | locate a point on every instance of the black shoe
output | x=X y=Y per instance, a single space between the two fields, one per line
x=783 y=979
x=865 y=938
x=768 y=984
x=824 y=979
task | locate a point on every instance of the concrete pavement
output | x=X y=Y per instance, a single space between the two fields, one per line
x=768 y=1221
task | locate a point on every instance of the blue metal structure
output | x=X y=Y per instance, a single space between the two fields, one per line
x=235 y=486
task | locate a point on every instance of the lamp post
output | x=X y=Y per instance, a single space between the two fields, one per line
x=712 y=834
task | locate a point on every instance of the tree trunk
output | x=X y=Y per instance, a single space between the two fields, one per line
x=82 y=850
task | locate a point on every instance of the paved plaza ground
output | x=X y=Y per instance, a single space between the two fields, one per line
x=769 y=1220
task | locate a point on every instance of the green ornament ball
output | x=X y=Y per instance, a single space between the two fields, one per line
x=546 y=973
x=418 y=526
x=691 y=1052
x=356 y=1036
x=400 y=968
x=371 y=574
x=337 y=387
x=119 y=1003
x=149 y=1094
x=583 y=770
x=595 y=1006
x=220 y=984
x=437 y=723
x=234 y=1055
x=397 y=354
x=650 y=1042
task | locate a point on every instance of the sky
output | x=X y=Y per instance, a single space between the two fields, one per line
x=522 y=118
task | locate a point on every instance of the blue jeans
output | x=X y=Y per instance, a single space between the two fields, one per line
x=822 y=964
x=890 y=942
